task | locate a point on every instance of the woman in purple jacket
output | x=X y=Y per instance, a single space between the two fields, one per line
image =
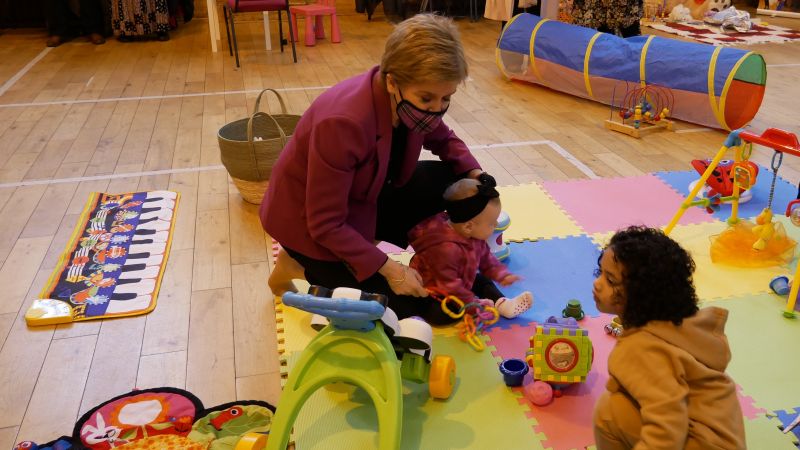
x=350 y=175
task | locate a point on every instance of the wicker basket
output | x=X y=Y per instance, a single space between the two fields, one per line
x=249 y=147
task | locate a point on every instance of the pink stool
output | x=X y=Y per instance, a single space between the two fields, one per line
x=315 y=29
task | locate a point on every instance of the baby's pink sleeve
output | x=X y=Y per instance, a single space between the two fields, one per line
x=490 y=266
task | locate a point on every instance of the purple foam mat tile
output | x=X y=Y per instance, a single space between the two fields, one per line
x=784 y=192
x=555 y=271
x=608 y=204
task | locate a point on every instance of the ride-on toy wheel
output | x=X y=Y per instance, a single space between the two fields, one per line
x=442 y=377
x=252 y=441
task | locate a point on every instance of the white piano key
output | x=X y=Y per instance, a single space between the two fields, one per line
x=152 y=260
x=158 y=225
x=136 y=304
x=158 y=236
x=156 y=248
x=162 y=194
x=162 y=214
x=143 y=287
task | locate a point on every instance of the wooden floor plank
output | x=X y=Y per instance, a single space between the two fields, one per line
x=45 y=219
x=247 y=245
x=262 y=387
x=115 y=363
x=47 y=415
x=8 y=437
x=167 y=328
x=212 y=258
x=253 y=307
x=210 y=372
x=19 y=271
x=162 y=369
x=21 y=360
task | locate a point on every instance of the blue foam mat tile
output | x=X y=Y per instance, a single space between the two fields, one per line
x=784 y=192
x=555 y=271
x=786 y=417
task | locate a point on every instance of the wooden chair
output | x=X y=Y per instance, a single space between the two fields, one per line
x=237 y=6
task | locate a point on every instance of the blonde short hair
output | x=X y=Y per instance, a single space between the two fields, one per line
x=424 y=48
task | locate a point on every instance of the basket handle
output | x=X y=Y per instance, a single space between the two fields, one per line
x=256 y=112
x=280 y=100
x=284 y=139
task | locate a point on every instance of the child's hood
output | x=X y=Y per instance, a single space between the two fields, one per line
x=434 y=231
x=702 y=335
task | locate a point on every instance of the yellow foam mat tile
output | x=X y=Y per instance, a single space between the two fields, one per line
x=712 y=280
x=763 y=433
x=534 y=215
x=762 y=342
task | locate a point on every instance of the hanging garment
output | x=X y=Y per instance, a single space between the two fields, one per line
x=139 y=17
x=498 y=9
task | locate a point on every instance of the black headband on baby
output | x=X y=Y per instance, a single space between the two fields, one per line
x=465 y=209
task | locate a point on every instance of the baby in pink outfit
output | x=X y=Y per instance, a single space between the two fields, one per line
x=451 y=250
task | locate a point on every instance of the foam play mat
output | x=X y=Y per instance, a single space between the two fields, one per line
x=557 y=265
x=114 y=261
x=163 y=418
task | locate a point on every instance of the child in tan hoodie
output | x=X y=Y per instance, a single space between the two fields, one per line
x=667 y=386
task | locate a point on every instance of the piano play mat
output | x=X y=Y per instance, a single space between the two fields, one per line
x=114 y=261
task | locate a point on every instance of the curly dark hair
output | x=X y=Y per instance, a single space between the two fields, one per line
x=657 y=276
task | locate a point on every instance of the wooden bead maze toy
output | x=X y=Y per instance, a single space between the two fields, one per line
x=643 y=109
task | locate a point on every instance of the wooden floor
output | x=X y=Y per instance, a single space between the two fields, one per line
x=116 y=109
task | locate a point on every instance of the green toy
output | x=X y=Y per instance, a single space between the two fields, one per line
x=354 y=348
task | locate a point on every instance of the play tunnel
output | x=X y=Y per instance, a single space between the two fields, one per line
x=718 y=87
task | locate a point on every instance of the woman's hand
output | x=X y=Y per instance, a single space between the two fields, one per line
x=403 y=280
x=474 y=173
x=482 y=177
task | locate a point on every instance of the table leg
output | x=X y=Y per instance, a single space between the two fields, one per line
x=213 y=23
x=267 y=38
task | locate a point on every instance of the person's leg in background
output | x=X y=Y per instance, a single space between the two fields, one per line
x=57 y=16
x=91 y=15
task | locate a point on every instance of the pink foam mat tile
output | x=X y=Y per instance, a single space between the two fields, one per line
x=567 y=421
x=608 y=204
x=748 y=404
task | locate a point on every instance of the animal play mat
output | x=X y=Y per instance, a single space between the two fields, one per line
x=113 y=263
x=712 y=86
x=162 y=419
x=710 y=34
x=557 y=264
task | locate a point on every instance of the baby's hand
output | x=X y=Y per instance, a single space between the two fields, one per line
x=510 y=279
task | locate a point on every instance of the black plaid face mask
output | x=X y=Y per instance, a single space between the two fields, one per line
x=417 y=120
